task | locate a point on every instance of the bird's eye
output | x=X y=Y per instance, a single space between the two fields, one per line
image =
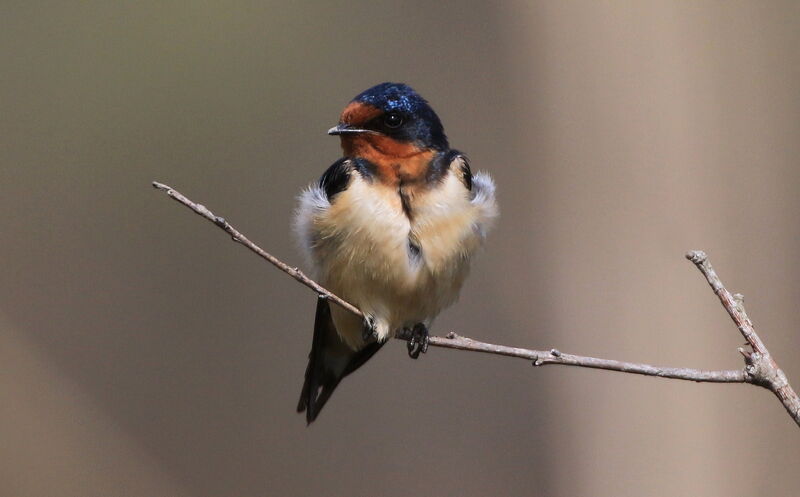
x=392 y=120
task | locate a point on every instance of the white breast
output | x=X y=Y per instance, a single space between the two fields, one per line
x=359 y=245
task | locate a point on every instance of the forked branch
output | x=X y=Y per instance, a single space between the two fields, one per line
x=760 y=368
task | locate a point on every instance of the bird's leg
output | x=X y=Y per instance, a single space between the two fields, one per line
x=418 y=343
x=368 y=330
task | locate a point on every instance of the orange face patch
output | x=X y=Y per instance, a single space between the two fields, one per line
x=358 y=114
x=396 y=161
x=378 y=147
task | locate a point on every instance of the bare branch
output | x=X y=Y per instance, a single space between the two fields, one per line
x=761 y=369
x=554 y=356
x=240 y=238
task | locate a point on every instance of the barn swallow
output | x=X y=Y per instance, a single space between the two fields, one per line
x=390 y=227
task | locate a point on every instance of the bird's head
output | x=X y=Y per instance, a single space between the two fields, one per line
x=391 y=118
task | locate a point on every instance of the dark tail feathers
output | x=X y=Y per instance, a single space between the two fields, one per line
x=329 y=361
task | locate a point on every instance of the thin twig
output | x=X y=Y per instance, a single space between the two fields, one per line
x=240 y=238
x=554 y=356
x=760 y=370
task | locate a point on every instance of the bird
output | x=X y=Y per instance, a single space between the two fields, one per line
x=390 y=227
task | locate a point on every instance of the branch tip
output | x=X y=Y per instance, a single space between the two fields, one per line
x=696 y=256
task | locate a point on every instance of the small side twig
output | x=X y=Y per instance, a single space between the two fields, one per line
x=761 y=369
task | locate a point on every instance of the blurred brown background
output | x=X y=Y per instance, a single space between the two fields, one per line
x=142 y=353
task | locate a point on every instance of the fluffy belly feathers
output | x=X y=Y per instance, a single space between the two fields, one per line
x=400 y=265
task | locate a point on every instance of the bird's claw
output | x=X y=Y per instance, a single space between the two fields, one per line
x=368 y=331
x=418 y=343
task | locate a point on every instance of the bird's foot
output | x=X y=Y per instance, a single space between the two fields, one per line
x=369 y=331
x=418 y=343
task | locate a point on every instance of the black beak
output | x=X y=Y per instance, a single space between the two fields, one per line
x=343 y=129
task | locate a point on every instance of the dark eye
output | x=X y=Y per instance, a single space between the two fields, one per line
x=392 y=120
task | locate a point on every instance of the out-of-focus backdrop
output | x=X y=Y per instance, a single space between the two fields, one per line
x=142 y=353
